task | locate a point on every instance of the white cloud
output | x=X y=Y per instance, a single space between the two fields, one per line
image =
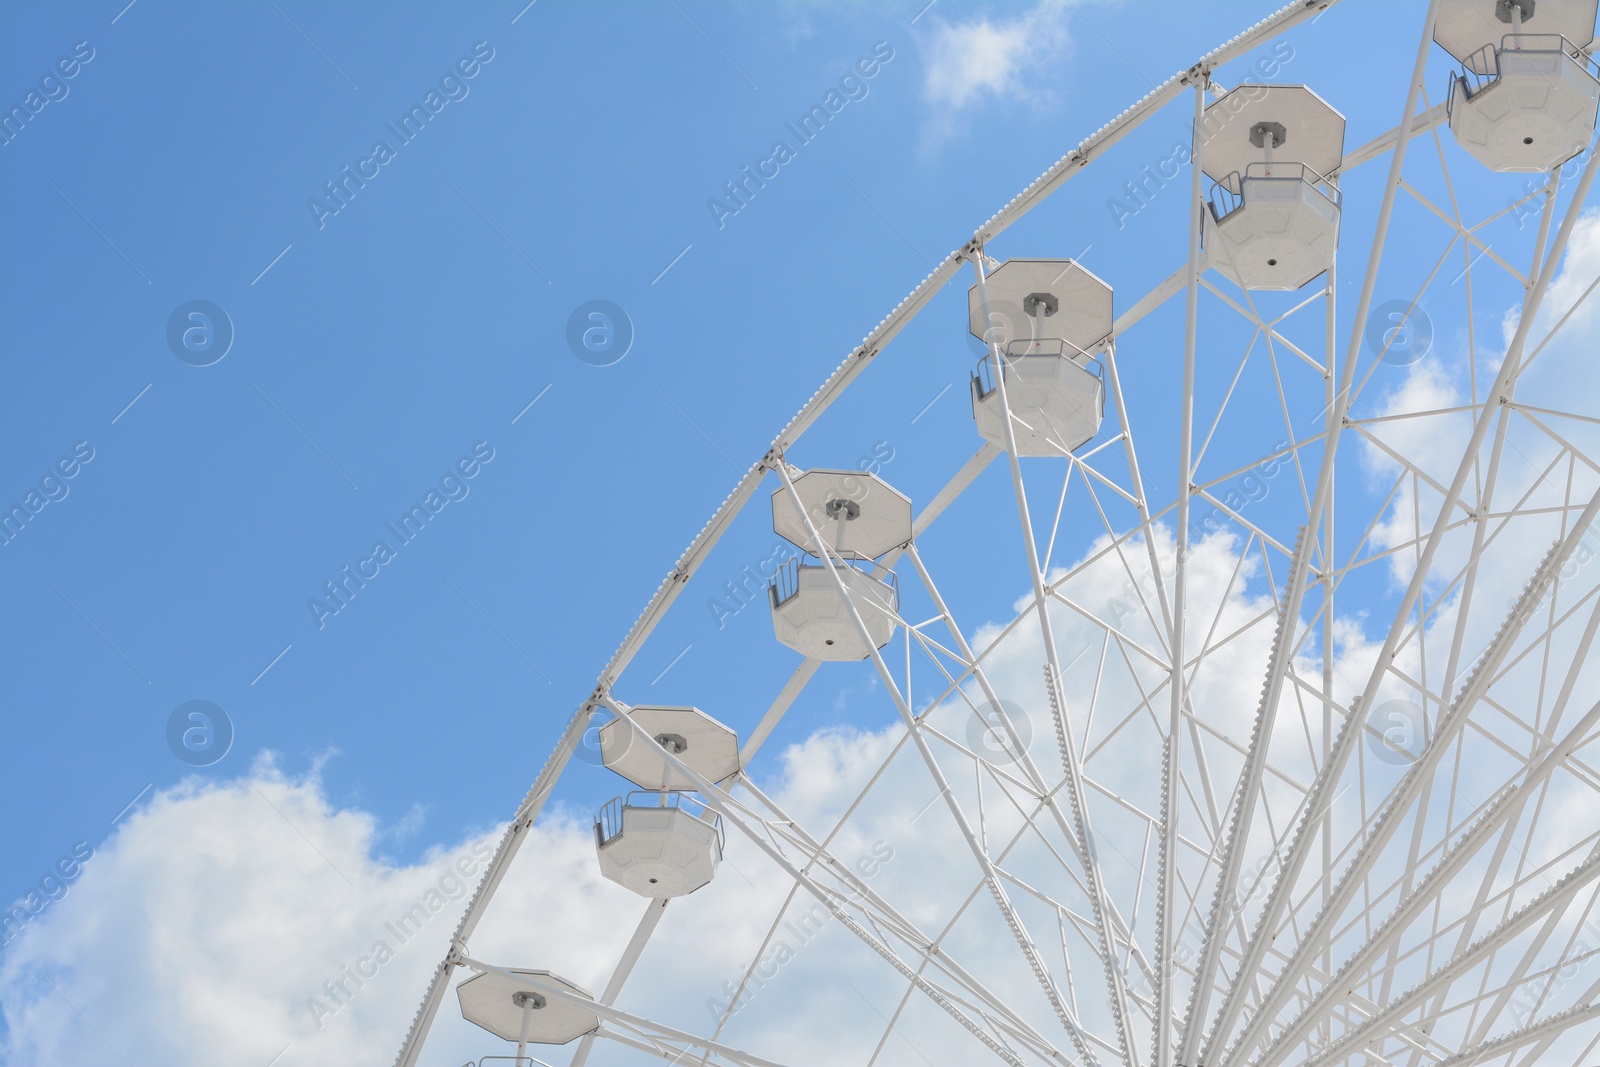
x=209 y=928
x=982 y=60
x=204 y=930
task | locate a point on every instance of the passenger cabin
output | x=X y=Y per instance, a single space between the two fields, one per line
x=859 y=518
x=662 y=841
x=1272 y=152
x=810 y=615
x=659 y=844
x=1526 y=95
x=1048 y=319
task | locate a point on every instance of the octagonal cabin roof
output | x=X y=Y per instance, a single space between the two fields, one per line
x=1466 y=26
x=859 y=515
x=491 y=1000
x=708 y=747
x=1305 y=129
x=1043 y=299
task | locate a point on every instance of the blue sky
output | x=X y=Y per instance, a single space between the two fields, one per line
x=421 y=330
x=421 y=319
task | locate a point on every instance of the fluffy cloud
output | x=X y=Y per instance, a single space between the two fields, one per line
x=981 y=60
x=223 y=922
x=211 y=926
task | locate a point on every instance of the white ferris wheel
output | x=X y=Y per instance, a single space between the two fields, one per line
x=1388 y=854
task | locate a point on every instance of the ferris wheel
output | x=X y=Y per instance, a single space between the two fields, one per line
x=1289 y=782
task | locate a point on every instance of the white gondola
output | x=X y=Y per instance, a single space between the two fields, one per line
x=658 y=844
x=860 y=517
x=1272 y=151
x=810 y=615
x=1527 y=93
x=1057 y=398
x=1049 y=317
x=524 y=1012
x=662 y=842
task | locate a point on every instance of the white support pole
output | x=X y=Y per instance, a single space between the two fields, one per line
x=1327 y=556
x=1054 y=682
x=1451 y=722
x=1172 y=755
x=499 y=863
x=1378 y=1025
x=1136 y=476
x=1505 y=808
x=1496 y=1047
x=1469 y=580
x=1013 y=740
x=527 y=1018
x=779 y=707
x=901 y=925
x=653 y=911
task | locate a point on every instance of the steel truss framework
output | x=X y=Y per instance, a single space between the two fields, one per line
x=1304 y=893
